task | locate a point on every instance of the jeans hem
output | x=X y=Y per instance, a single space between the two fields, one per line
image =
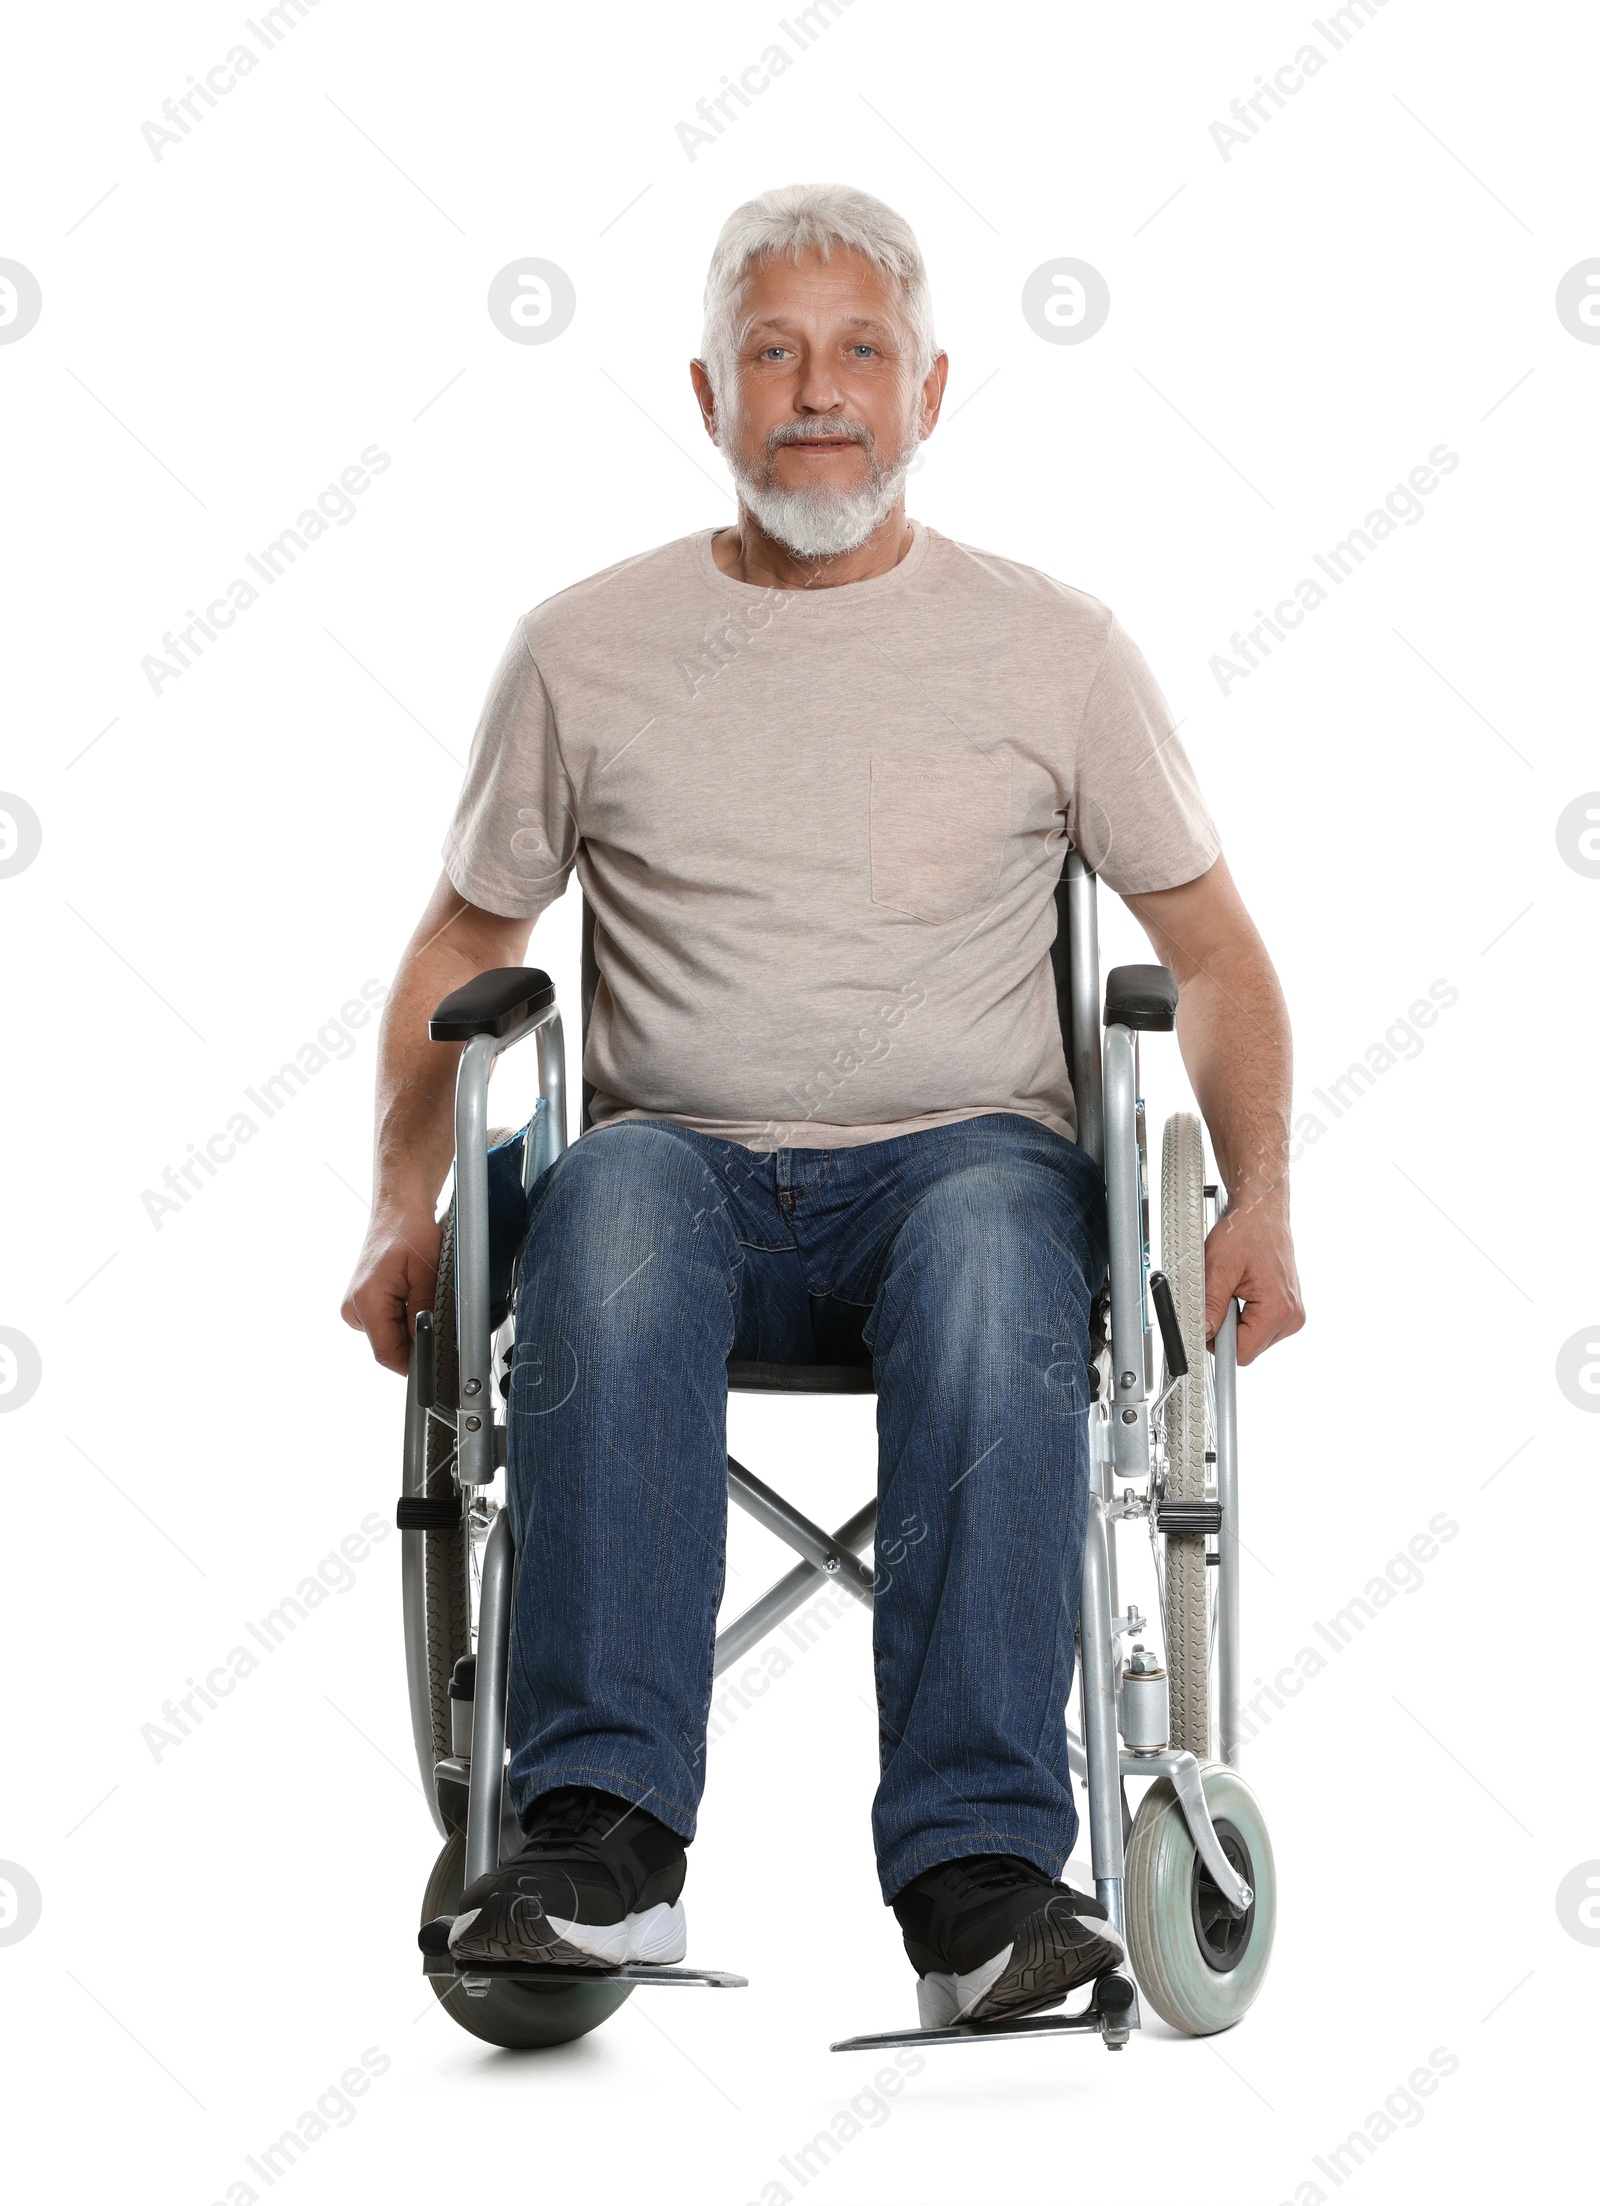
x=604 y=1779
x=961 y=1846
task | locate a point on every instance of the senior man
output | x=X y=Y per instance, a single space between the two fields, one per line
x=816 y=772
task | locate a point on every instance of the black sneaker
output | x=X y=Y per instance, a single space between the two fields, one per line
x=992 y=1935
x=595 y=1885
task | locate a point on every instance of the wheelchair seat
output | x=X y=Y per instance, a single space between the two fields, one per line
x=799 y=1378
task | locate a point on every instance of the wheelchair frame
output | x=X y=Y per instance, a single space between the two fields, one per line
x=503 y=1010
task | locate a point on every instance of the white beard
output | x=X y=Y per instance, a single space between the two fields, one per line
x=822 y=523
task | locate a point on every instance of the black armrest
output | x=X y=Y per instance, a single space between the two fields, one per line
x=1142 y=996
x=493 y=1003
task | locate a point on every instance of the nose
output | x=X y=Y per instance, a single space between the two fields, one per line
x=818 y=391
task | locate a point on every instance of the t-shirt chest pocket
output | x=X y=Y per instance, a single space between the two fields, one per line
x=939 y=825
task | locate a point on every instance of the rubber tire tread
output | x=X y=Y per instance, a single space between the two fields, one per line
x=518 y=2016
x=1188 y=1595
x=1167 y=1963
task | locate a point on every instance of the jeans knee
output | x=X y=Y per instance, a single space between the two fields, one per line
x=626 y=1219
x=995 y=1265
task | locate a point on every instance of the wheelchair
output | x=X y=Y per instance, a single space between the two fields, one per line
x=1187 y=1874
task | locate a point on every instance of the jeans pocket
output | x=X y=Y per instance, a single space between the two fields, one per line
x=938 y=830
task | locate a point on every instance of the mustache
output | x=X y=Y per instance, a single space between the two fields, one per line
x=820 y=432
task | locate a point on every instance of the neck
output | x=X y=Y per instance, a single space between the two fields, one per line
x=749 y=554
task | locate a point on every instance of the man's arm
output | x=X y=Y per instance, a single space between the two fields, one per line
x=1233 y=1030
x=394 y=1274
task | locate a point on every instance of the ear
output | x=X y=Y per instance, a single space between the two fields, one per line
x=705 y=397
x=933 y=384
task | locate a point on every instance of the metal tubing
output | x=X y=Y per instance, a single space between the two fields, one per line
x=475 y=1429
x=474 y=1424
x=792 y=1591
x=759 y=1500
x=1083 y=966
x=1229 y=1652
x=588 y=983
x=547 y=1131
x=535 y=1143
x=1100 y=1717
x=1103 y=1482
x=1129 y=1437
x=413 y=1480
x=553 y=1084
x=489 y=1702
x=1122 y=1204
x=475 y=1464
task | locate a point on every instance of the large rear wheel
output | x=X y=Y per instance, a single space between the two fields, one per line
x=447 y=1562
x=447 y=1556
x=1187 y=1594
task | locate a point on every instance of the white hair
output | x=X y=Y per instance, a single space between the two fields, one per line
x=798 y=218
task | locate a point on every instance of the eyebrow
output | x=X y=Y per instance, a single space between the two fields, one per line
x=782 y=322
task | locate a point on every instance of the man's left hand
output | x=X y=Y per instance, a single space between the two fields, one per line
x=1249 y=1254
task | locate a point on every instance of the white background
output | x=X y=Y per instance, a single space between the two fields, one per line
x=224 y=864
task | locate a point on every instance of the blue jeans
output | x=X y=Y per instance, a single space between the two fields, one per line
x=964 y=1258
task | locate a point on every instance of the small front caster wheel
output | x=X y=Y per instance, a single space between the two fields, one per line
x=1198 y=1963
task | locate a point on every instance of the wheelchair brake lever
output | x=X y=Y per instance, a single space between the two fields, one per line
x=1171 y=1332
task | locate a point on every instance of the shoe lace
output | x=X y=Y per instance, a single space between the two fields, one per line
x=575 y=1813
x=988 y=1874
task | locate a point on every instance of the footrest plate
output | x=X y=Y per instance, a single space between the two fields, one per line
x=958 y=2033
x=1109 y=2012
x=633 y=1972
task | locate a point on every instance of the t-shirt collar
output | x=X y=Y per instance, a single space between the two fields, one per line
x=842 y=596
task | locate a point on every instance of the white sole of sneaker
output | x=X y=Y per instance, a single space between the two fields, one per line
x=945 y=1999
x=942 y=2000
x=659 y=1934
x=656 y=1935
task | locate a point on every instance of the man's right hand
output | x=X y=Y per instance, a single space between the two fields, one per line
x=394 y=1274
x=394 y=1279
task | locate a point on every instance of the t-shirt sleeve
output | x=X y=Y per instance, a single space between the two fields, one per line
x=514 y=835
x=1137 y=813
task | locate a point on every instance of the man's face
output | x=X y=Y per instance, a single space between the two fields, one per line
x=825 y=408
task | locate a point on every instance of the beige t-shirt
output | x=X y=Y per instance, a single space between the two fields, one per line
x=820 y=831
